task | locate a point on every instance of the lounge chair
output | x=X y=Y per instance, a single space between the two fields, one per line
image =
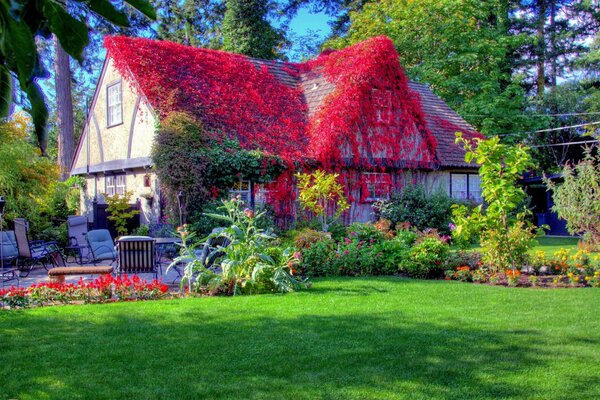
x=137 y=255
x=77 y=228
x=8 y=252
x=101 y=246
x=31 y=253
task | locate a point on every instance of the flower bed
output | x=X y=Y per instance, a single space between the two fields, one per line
x=560 y=270
x=103 y=289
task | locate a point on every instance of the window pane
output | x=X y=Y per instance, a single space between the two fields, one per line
x=474 y=188
x=459 y=186
x=114 y=109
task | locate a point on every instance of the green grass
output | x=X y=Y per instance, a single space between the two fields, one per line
x=361 y=338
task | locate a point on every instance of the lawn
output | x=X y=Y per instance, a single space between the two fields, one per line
x=346 y=338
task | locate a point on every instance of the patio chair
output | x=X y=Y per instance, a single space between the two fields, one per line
x=8 y=252
x=208 y=255
x=30 y=253
x=77 y=228
x=137 y=255
x=100 y=245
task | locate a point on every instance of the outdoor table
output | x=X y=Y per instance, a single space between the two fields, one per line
x=162 y=247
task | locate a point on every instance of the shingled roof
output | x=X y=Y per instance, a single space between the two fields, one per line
x=309 y=83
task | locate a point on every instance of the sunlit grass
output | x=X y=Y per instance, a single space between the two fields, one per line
x=346 y=338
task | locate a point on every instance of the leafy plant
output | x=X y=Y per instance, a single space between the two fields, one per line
x=415 y=206
x=120 y=211
x=322 y=194
x=577 y=199
x=247 y=263
x=505 y=232
x=22 y=22
x=427 y=258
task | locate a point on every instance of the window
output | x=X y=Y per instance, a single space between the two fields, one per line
x=114 y=104
x=465 y=187
x=376 y=186
x=115 y=184
x=382 y=104
x=241 y=188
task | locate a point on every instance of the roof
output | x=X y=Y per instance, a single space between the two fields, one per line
x=306 y=110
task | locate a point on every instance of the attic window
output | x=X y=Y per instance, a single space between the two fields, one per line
x=114 y=104
x=382 y=105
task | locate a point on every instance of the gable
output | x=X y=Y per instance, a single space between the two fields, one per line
x=125 y=144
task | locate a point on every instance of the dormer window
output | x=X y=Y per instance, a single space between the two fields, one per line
x=382 y=105
x=114 y=104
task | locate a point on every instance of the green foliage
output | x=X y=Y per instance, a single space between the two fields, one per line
x=25 y=177
x=204 y=165
x=120 y=211
x=22 y=22
x=577 y=200
x=246 y=30
x=505 y=232
x=421 y=210
x=365 y=232
x=323 y=195
x=249 y=264
x=427 y=258
x=317 y=259
x=306 y=238
x=142 y=230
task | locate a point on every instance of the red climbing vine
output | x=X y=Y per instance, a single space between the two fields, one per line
x=369 y=122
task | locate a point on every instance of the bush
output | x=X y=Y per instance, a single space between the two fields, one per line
x=577 y=200
x=307 y=237
x=365 y=232
x=317 y=259
x=427 y=258
x=415 y=206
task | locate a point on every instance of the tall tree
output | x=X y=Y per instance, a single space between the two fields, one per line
x=64 y=114
x=190 y=22
x=247 y=31
x=23 y=21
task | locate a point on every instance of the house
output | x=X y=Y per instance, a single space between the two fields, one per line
x=351 y=111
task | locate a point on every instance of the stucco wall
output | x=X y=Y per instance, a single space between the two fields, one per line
x=109 y=144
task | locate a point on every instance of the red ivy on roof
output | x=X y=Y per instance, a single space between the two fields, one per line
x=371 y=121
x=226 y=91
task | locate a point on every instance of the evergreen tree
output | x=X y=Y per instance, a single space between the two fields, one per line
x=247 y=31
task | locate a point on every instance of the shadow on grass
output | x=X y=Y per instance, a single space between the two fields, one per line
x=122 y=354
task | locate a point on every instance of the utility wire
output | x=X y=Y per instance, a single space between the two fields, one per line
x=534 y=115
x=550 y=129
x=563 y=144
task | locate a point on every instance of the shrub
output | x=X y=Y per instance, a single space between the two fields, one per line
x=323 y=195
x=415 y=206
x=365 y=232
x=577 y=200
x=307 y=237
x=505 y=232
x=119 y=211
x=427 y=258
x=471 y=259
x=317 y=259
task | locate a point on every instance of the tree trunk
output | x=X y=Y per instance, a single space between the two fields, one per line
x=552 y=44
x=540 y=49
x=64 y=106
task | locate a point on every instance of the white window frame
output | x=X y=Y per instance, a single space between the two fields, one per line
x=114 y=102
x=109 y=185
x=115 y=184
x=376 y=178
x=469 y=193
x=238 y=189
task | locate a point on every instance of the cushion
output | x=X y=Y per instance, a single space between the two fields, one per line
x=9 y=245
x=102 y=244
